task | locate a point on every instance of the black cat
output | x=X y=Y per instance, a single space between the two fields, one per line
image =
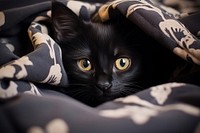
x=106 y=60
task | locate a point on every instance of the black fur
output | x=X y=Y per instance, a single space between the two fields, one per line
x=102 y=44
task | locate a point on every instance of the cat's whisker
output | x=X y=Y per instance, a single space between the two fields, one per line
x=132 y=90
x=134 y=85
x=131 y=82
x=126 y=92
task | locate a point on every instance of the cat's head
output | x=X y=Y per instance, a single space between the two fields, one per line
x=101 y=62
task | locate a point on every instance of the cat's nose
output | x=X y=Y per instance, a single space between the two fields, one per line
x=103 y=86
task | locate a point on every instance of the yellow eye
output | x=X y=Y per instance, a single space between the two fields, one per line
x=122 y=63
x=84 y=64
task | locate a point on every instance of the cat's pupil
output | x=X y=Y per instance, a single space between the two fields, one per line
x=86 y=63
x=122 y=62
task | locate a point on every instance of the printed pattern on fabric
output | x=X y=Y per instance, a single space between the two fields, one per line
x=54 y=126
x=141 y=111
x=25 y=67
x=173 y=104
x=43 y=64
x=2 y=19
x=38 y=38
x=183 y=43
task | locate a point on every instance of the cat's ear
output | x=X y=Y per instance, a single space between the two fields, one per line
x=65 y=23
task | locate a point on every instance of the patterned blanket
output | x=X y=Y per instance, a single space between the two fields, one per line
x=31 y=63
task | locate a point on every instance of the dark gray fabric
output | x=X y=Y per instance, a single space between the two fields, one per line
x=31 y=63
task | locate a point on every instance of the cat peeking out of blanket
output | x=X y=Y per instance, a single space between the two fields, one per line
x=108 y=60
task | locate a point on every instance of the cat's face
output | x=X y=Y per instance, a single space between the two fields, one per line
x=100 y=62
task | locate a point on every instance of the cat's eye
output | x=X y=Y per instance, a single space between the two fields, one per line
x=84 y=64
x=122 y=63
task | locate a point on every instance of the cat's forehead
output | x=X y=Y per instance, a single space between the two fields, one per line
x=98 y=40
x=102 y=31
x=104 y=39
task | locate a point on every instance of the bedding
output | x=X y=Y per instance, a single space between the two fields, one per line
x=31 y=69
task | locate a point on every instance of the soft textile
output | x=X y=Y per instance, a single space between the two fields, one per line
x=31 y=65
